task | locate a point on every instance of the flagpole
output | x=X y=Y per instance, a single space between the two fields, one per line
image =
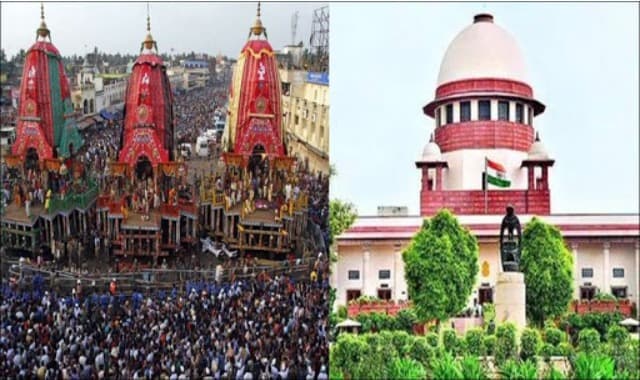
x=486 y=185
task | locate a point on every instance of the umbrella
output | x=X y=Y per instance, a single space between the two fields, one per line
x=630 y=322
x=349 y=323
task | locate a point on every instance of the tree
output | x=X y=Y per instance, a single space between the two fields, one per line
x=441 y=265
x=547 y=266
x=341 y=217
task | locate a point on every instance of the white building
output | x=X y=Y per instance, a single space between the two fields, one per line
x=484 y=107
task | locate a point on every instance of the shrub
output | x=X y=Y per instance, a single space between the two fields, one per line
x=553 y=336
x=474 y=342
x=625 y=355
x=406 y=369
x=450 y=341
x=602 y=296
x=511 y=369
x=489 y=344
x=446 y=368
x=432 y=339
x=400 y=341
x=547 y=351
x=342 y=312
x=488 y=313
x=593 y=367
x=421 y=351
x=506 y=343
x=589 y=341
x=472 y=369
x=564 y=349
x=347 y=353
x=617 y=336
x=552 y=374
x=405 y=320
x=530 y=344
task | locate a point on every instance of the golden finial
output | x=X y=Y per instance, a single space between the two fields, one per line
x=42 y=31
x=148 y=42
x=257 y=28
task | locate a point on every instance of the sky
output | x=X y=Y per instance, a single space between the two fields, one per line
x=120 y=27
x=583 y=65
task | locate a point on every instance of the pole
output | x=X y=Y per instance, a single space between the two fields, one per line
x=486 y=185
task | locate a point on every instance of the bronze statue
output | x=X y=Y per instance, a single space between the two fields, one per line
x=509 y=245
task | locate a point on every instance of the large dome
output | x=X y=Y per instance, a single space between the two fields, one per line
x=483 y=50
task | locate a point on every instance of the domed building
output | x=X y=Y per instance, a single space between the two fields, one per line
x=485 y=153
x=484 y=111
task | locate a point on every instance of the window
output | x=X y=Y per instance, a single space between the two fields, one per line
x=449 y=113
x=618 y=272
x=503 y=111
x=519 y=113
x=297 y=119
x=465 y=111
x=587 y=292
x=530 y=119
x=384 y=274
x=484 y=110
x=353 y=295
x=587 y=272
x=438 y=117
x=384 y=294
x=354 y=275
x=619 y=291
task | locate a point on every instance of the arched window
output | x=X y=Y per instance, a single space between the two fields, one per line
x=91 y=106
x=85 y=107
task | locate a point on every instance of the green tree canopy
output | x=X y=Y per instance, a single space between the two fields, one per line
x=548 y=271
x=441 y=265
x=341 y=217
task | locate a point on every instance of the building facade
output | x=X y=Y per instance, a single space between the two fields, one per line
x=305 y=104
x=484 y=112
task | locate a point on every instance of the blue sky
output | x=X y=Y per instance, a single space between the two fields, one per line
x=583 y=64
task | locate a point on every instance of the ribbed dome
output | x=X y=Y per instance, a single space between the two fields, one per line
x=538 y=151
x=431 y=151
x=483 y=50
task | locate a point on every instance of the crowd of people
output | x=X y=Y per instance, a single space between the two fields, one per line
x=260 y=328
x=195 y=112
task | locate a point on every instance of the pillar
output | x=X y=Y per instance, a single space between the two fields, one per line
x=365 y=269
x=439 y=178
x=530 y=178
x=576 y=275
x=398 y=273
x=606 y=275
x=545 y=177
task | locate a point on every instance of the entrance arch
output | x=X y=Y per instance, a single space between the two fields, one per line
x=31 y=159
x=143 y=168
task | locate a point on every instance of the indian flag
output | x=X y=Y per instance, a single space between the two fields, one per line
x=496 y=174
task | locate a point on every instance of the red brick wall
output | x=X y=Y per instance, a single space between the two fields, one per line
x=471 y=202
x=487 y=134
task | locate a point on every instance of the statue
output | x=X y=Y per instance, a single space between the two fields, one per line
x=509 y=246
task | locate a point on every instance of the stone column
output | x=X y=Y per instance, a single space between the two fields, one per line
x=576 y=275
x=606 y=275
x=365 y=268
x=398 y=273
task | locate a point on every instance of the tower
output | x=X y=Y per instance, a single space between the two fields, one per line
x=46 y=126
x=484 y=111
x=255 y=109
x=148 y=130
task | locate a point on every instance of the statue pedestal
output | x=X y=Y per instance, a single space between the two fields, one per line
x=511 y=299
